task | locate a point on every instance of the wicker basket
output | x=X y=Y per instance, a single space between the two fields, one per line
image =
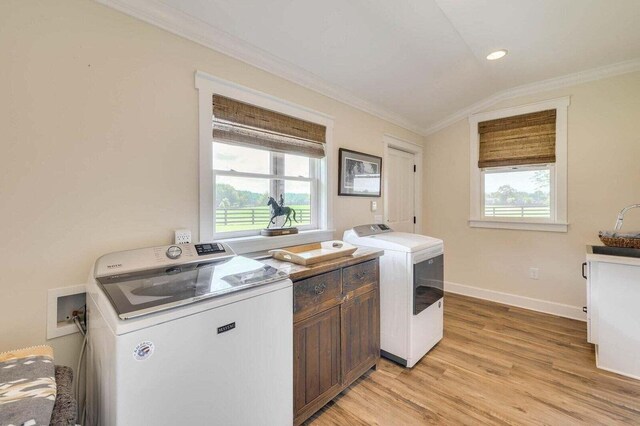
x=613 y=240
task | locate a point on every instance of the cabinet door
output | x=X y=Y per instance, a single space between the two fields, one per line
x=316 y=361
x=360 y=335
x=590 y=336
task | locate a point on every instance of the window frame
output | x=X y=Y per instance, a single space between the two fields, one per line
x=277 y=167
x=208 y=85
x=558 y=221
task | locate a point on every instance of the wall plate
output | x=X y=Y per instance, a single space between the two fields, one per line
x=63 y=299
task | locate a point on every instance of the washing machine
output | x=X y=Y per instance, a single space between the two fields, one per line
x=411 y=290
x=188 y=334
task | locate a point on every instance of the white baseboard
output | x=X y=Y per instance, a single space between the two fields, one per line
x=553 y=308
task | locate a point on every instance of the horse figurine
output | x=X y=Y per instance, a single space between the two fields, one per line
x=280 y=210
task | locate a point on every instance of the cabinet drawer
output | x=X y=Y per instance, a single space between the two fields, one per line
x=316 y=294
x=362 y=277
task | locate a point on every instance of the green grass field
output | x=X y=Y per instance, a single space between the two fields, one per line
x=249 y=218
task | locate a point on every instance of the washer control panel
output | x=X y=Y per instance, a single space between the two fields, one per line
x=160 y=257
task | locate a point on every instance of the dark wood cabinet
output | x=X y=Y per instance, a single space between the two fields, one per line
x=336 y=333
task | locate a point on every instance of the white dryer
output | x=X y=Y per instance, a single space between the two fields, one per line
x=188 y=334
x=411 y=290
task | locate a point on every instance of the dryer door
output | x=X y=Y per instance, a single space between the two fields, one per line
x=428 y=283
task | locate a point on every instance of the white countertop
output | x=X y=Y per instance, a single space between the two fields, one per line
x=622 y=260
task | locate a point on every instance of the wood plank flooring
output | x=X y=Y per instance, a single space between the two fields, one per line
x=495 y=365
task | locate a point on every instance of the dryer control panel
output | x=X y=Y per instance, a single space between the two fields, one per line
x=372 y=229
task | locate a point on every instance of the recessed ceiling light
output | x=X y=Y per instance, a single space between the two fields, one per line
x=497 y=54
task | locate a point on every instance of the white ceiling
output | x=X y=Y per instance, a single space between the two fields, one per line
x=415 y=62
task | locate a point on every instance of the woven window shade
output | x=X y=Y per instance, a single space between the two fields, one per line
x=518 y=140
x=239 y=123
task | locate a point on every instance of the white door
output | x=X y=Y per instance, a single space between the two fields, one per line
x=400 y=176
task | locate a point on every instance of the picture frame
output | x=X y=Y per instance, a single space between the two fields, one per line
x=359 y=174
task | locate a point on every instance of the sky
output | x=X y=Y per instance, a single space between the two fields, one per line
x=520 y=180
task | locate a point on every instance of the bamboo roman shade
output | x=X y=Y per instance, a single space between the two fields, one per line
x=239 y=123
x=521 y=139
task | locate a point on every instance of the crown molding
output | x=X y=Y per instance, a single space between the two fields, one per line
x=177 y=22
x=537 y=87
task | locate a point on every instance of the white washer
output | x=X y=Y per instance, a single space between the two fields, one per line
x=156 y=357
x=411 y=290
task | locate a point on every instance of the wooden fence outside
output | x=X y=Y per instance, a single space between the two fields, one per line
x=257 y=216
x=517 y=211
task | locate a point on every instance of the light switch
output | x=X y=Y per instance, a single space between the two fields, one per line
x=374 y=206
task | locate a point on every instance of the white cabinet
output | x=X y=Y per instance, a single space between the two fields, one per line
x=613 y=314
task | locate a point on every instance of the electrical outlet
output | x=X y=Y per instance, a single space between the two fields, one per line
x=534 y=273
x=374 y=206
x=182 y=236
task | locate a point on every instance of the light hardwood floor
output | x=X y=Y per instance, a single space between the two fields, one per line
x=496 y=365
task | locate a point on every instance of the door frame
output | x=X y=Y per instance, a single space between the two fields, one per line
x=390 y=141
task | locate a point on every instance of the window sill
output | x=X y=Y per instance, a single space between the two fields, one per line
x=523 y=226
x=253 y=243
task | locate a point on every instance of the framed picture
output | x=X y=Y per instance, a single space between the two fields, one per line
x=359 y=174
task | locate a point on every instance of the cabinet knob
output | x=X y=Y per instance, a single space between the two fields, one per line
x=320 y=288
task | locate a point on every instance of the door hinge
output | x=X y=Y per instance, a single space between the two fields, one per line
x=414 y=168
x=414 y=219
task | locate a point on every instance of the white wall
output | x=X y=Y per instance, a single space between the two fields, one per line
x=604 y=176
x=99 y=123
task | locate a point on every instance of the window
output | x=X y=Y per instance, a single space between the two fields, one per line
x=523 y=192
x=245 y=178
x=253 y=147
x=519 y=167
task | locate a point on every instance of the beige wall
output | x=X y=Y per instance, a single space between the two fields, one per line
x=99 y=123
x=604 y=176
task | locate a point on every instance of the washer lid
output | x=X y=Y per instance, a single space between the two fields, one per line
x=397 y=241
x=144 y=292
